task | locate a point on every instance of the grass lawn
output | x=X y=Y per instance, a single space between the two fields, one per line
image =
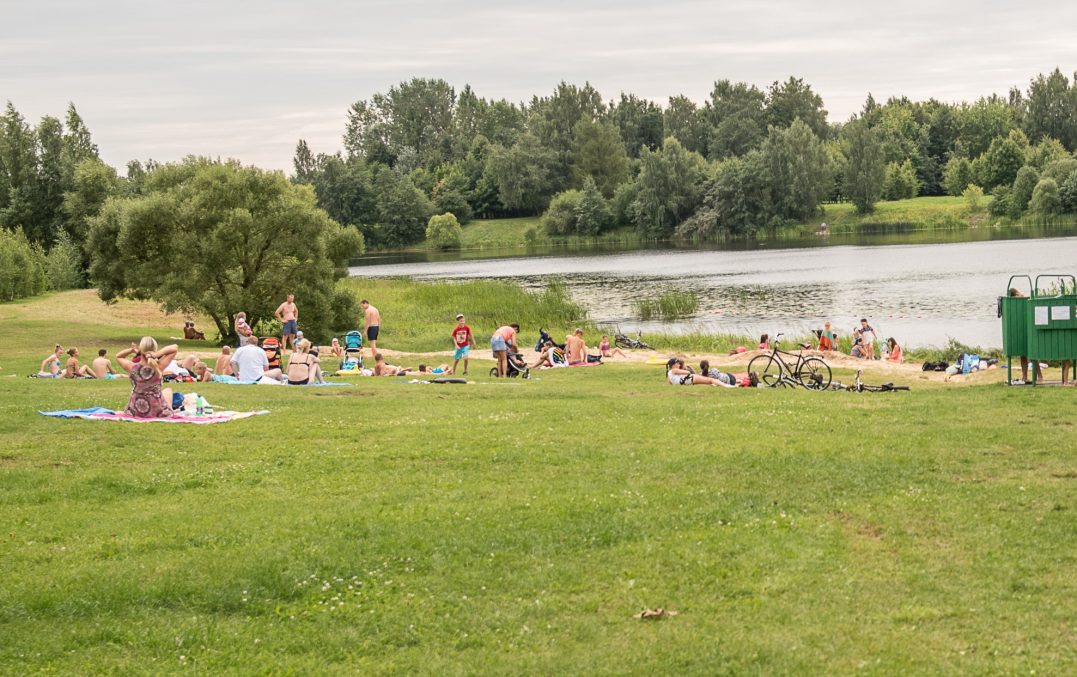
x=504 y=233
x=517 y=527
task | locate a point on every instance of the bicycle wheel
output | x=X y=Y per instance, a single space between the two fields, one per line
x=814 y=374
x=767 y=370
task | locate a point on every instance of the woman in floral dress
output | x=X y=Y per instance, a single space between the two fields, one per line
x=144 y=363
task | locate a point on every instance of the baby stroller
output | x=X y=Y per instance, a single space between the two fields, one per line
x=515 y=365
x=271 y=346
x=353 y=351
x=544 y=336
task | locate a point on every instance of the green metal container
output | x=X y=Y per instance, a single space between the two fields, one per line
x=1052 y=320
x=1014 y=311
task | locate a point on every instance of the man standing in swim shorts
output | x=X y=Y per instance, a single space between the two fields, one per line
x=371 y=324
x=464 y=340
x=288 y=314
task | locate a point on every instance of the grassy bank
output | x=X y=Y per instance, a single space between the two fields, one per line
x=516 y=528
x=528 y=232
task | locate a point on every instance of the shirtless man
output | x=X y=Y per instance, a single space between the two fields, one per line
x=371 y=324
x=382 y=369
x=102 y=366
x=576 y=348
x=224 y=362
x=288 y=314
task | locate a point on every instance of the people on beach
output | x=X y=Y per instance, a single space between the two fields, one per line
x=383 y=369
x=894 y=353
x=75 y=370
x=223 y=367
x=605 y=351
x=303 y=367
x=148 y=399
x=550 y=356
x=867 y=339
x=764 y=342
x=102 y=366
x=337 y=351
x=726 y=378
x=288 y=314
x=243 y=330
x=464 y=341
x=250 y=364
x=503 y=340
x=828 y=339
x=190 y=333
x=679 y=375
x=576 y=348
x=371 y=325
x=51 y=366
x=440 y=369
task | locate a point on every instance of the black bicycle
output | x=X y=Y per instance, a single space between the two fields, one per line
x=772 y=370
x=862 y=387
x=622 y=341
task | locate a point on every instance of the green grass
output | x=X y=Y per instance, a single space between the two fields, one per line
x=920 y=213
x=529 y=232
x=516 y=528
x=670 y=304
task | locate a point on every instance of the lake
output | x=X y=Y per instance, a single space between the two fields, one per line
x=921 y=294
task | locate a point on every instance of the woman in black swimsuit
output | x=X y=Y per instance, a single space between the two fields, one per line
x=303 y=368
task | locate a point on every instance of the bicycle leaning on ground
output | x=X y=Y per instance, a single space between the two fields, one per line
x=772 y=370
x=622 y=341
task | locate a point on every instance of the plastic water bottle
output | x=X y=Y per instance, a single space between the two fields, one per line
x=200 y=406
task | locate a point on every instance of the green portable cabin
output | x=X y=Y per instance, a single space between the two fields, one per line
x=1043 y=325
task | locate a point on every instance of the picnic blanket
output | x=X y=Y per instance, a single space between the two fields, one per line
x=102 y=414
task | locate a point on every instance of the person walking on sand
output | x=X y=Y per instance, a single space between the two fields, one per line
x=371 y=324
x=464 y=341
x=288 y=314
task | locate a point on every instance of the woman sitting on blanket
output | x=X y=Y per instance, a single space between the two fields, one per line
x=50 y=366
x=74 y=369
x=148 y=398
x=303 y=368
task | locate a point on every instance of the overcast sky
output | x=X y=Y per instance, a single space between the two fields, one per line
x=248 y=79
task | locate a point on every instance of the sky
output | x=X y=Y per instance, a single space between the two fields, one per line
x=247 y=80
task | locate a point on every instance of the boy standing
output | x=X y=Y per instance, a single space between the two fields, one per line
x=464 y=340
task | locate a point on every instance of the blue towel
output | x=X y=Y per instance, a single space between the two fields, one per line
x=76 y=413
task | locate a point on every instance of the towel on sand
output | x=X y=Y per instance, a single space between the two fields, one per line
x=102 y=414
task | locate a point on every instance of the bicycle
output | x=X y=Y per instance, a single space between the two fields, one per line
x=862 y=387
x=622 y=341
x=811 y=372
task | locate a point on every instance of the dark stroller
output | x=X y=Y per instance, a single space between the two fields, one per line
x=353 y=351
x=544 y=336
x=515 y=365
x=271 y=346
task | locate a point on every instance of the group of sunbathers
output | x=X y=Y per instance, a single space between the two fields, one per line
x=679 y=374
x=55 y=366
x=575 y=352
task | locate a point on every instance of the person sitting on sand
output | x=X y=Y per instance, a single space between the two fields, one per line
x=605 y=351
x=764 y=342
x=338 y=353
x=303 y=368
x=679 y=375
x=102 y=366
x=148 y=399
x=224 y=362
x=383 y=369
x=51 y=365
x=828 y=340
x=550 y=356
x=75 y=370
x=894 y=353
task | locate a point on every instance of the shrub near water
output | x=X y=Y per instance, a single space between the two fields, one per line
x=419 y=316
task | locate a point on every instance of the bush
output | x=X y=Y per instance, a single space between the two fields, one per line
x=1045 y=198
x=64 y=264
x=1000 y=203
x=900 y=182
x=1021 y=193
x=957 y=176
x=974 y=197
x=560 y=217
x=1067 y=192
x=22 y=266
x=593 y=215
x=443 y=232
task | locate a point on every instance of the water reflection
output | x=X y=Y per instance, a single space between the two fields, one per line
x=920 y=294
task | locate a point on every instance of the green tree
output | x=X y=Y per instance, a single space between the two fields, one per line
x=669 y=188
x=553 y=121
x=593 y=216
x=64 y=263
x=1052 y=109
x=865 y=171
x=306 y=166
x=1021 y=191
x=900 y=182
x=1001 y=162
x=974 y=197
x=797 y=169
x=412 y=123
x=450 y=194
x=734 y=202
x=640 y=124
x=18 y=166
x=23 y=266
x=736 y=119
x=1059 y=170
x=981 y=123
x=1000 y=201
x=794 y=100
x=443 y=231
x=683 y=120
x=248 y=237
x=1046 y=200
x=560 y=217
x=402 y=210
x=1048 y=150
x=524 y=174
x=93 y=183
x=1067 y=193
x=598 y=154
x=958 y=175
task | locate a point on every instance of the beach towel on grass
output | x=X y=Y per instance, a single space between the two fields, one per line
x=102 y=414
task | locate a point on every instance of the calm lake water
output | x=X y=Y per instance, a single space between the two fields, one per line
x=921 y=294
